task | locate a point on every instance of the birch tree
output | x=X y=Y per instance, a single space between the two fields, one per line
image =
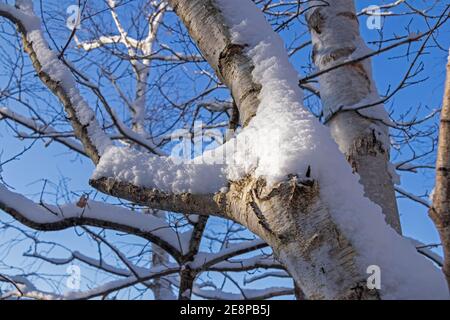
x=439 y=212
x=360 y=129
x=283 y=175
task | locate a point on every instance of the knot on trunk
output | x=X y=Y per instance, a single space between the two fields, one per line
x=275 y=209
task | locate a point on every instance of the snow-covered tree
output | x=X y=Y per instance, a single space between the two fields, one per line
x=316 y=188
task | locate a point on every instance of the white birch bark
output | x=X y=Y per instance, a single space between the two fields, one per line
x=440 y=210
x=161 y=288
x=296 y=216
x=293 y=216
x=364 y=141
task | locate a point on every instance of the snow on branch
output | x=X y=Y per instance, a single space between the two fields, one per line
x=27 y=290
x=76 y=255
x=306 y=149
x=265 y=275
x=98 y=214
x=413 y=197
x=425 y=250
x=247 y=294
x=205 y=260
x=245 y=264
x=57 y=77
x=43 y=130
x=100 y=42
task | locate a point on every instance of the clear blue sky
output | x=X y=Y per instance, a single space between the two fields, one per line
x=54 y=162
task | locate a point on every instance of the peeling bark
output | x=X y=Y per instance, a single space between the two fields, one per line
x=293 y=220
x=206 y=204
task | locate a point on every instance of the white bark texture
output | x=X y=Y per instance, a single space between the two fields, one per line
x=290 y=216
x=206 y=25
x=364 y=141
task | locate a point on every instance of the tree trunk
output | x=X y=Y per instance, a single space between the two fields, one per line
x=310 y=225
x=364 y=141
x=294 y=221
x=295 y=217
x=440 y=210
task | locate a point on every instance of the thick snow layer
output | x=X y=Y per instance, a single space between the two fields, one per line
x=162 y=173
x=302 y=141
